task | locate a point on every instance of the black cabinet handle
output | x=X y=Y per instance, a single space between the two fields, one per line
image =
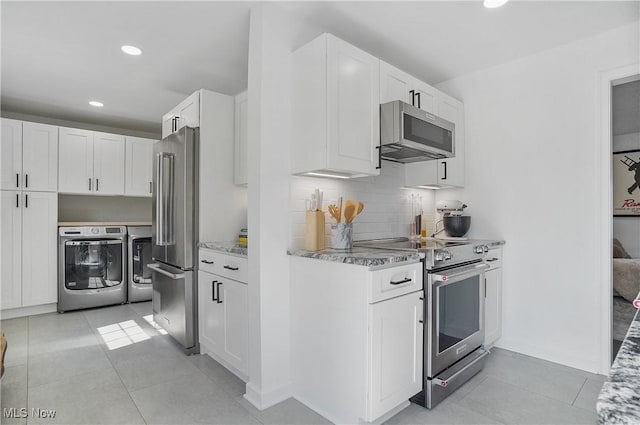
x=206 y=261
x=419 y=105
x=26 y=180
x=213 y=290
x=230 y=268
x=150 y=187
x=219 y=298
x=17 y=200
x=97 y=185
x=89 y=184
x=485 y=287
x=17 y=179
x=26 y=200
x=413 y=97
x=379 y=157
x=405 y=280
x=492 y=259
x=421 y=321
x=444 y=163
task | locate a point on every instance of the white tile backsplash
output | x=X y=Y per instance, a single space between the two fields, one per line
x=387 y=203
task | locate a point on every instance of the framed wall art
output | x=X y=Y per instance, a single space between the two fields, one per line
x=626 y=183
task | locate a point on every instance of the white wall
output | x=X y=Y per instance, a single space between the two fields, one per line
x=103 y=208
x=627 y=229
x=273 y=36
x=533 y=178
x=387 y=204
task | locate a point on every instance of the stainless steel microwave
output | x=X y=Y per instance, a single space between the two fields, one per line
x=409 y=134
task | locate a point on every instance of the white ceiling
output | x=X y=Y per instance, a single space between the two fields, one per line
x=56 y=56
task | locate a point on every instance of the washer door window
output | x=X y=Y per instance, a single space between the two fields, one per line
x=93 y=264
x=141 y=255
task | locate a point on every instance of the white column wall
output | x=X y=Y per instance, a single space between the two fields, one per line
x=273 y=36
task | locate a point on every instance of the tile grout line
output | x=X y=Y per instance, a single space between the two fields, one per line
x=579 y=391
x=102 y=347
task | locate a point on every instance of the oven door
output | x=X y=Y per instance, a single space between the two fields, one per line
x=456 y=304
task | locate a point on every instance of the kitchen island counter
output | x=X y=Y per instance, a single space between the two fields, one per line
x=619 y=399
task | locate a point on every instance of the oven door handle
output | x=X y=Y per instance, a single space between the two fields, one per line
x=447 y=278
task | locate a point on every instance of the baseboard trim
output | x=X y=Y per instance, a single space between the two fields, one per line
x=263 y=400
x=13 y=313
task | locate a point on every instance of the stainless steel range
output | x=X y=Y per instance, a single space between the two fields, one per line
x=454 y=286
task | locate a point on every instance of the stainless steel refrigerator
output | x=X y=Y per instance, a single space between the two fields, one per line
x=175 y=235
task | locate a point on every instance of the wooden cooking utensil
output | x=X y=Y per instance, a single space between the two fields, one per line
x=360 y=208
x=333 y=210
x=349 y=212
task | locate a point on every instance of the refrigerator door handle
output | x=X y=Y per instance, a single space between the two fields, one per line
x=165 y=164
x=157 y=268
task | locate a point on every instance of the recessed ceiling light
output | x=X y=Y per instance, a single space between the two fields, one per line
x=492 y=4
x=131 y=50
x=96 y=104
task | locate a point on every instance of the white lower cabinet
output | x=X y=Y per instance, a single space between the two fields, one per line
x=223 y=320
x=356 y=338
x=29 y=249
x=493 y=298
x=396 y=338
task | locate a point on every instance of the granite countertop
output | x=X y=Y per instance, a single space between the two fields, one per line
x=369 y=257
x=226 y=247
x=619 y=399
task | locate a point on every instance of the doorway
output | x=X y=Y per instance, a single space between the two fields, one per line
x=625 y=144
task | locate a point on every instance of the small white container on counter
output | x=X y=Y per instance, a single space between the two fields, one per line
x=342 y=236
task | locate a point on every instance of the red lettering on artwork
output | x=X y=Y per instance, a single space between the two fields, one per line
x=630 y=203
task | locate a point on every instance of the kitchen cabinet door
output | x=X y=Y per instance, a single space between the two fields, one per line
x=40 y=157
x=138 y=163
x=75 y=161
x=108 y=164
x=451 y=170
x=396 y=345
x=11 y=253
x=186 y=112
x=394 y=84
x=234 y=300
x=492 y=306
x=39 y=248
x=425 y=97
x=210 y=313
x=353 y=99
x=240 y=176
x=11 y=154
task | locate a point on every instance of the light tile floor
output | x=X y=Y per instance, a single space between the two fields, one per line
x=111 y=366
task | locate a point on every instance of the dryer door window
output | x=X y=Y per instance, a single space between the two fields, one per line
x=93 y=264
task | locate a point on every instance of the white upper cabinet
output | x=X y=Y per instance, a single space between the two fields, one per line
x=186 y=113
x=448 y=172
x=75 y=167
x=40 y=157
x=138 y=166
x=241 y=140
x=29 y=156
x=91 y=162
x=336 y=97
x=396 y=84
x=108 y=164
x=11 y=154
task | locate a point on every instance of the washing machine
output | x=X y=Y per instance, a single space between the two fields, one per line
x=139 y=280
x=92 y=267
